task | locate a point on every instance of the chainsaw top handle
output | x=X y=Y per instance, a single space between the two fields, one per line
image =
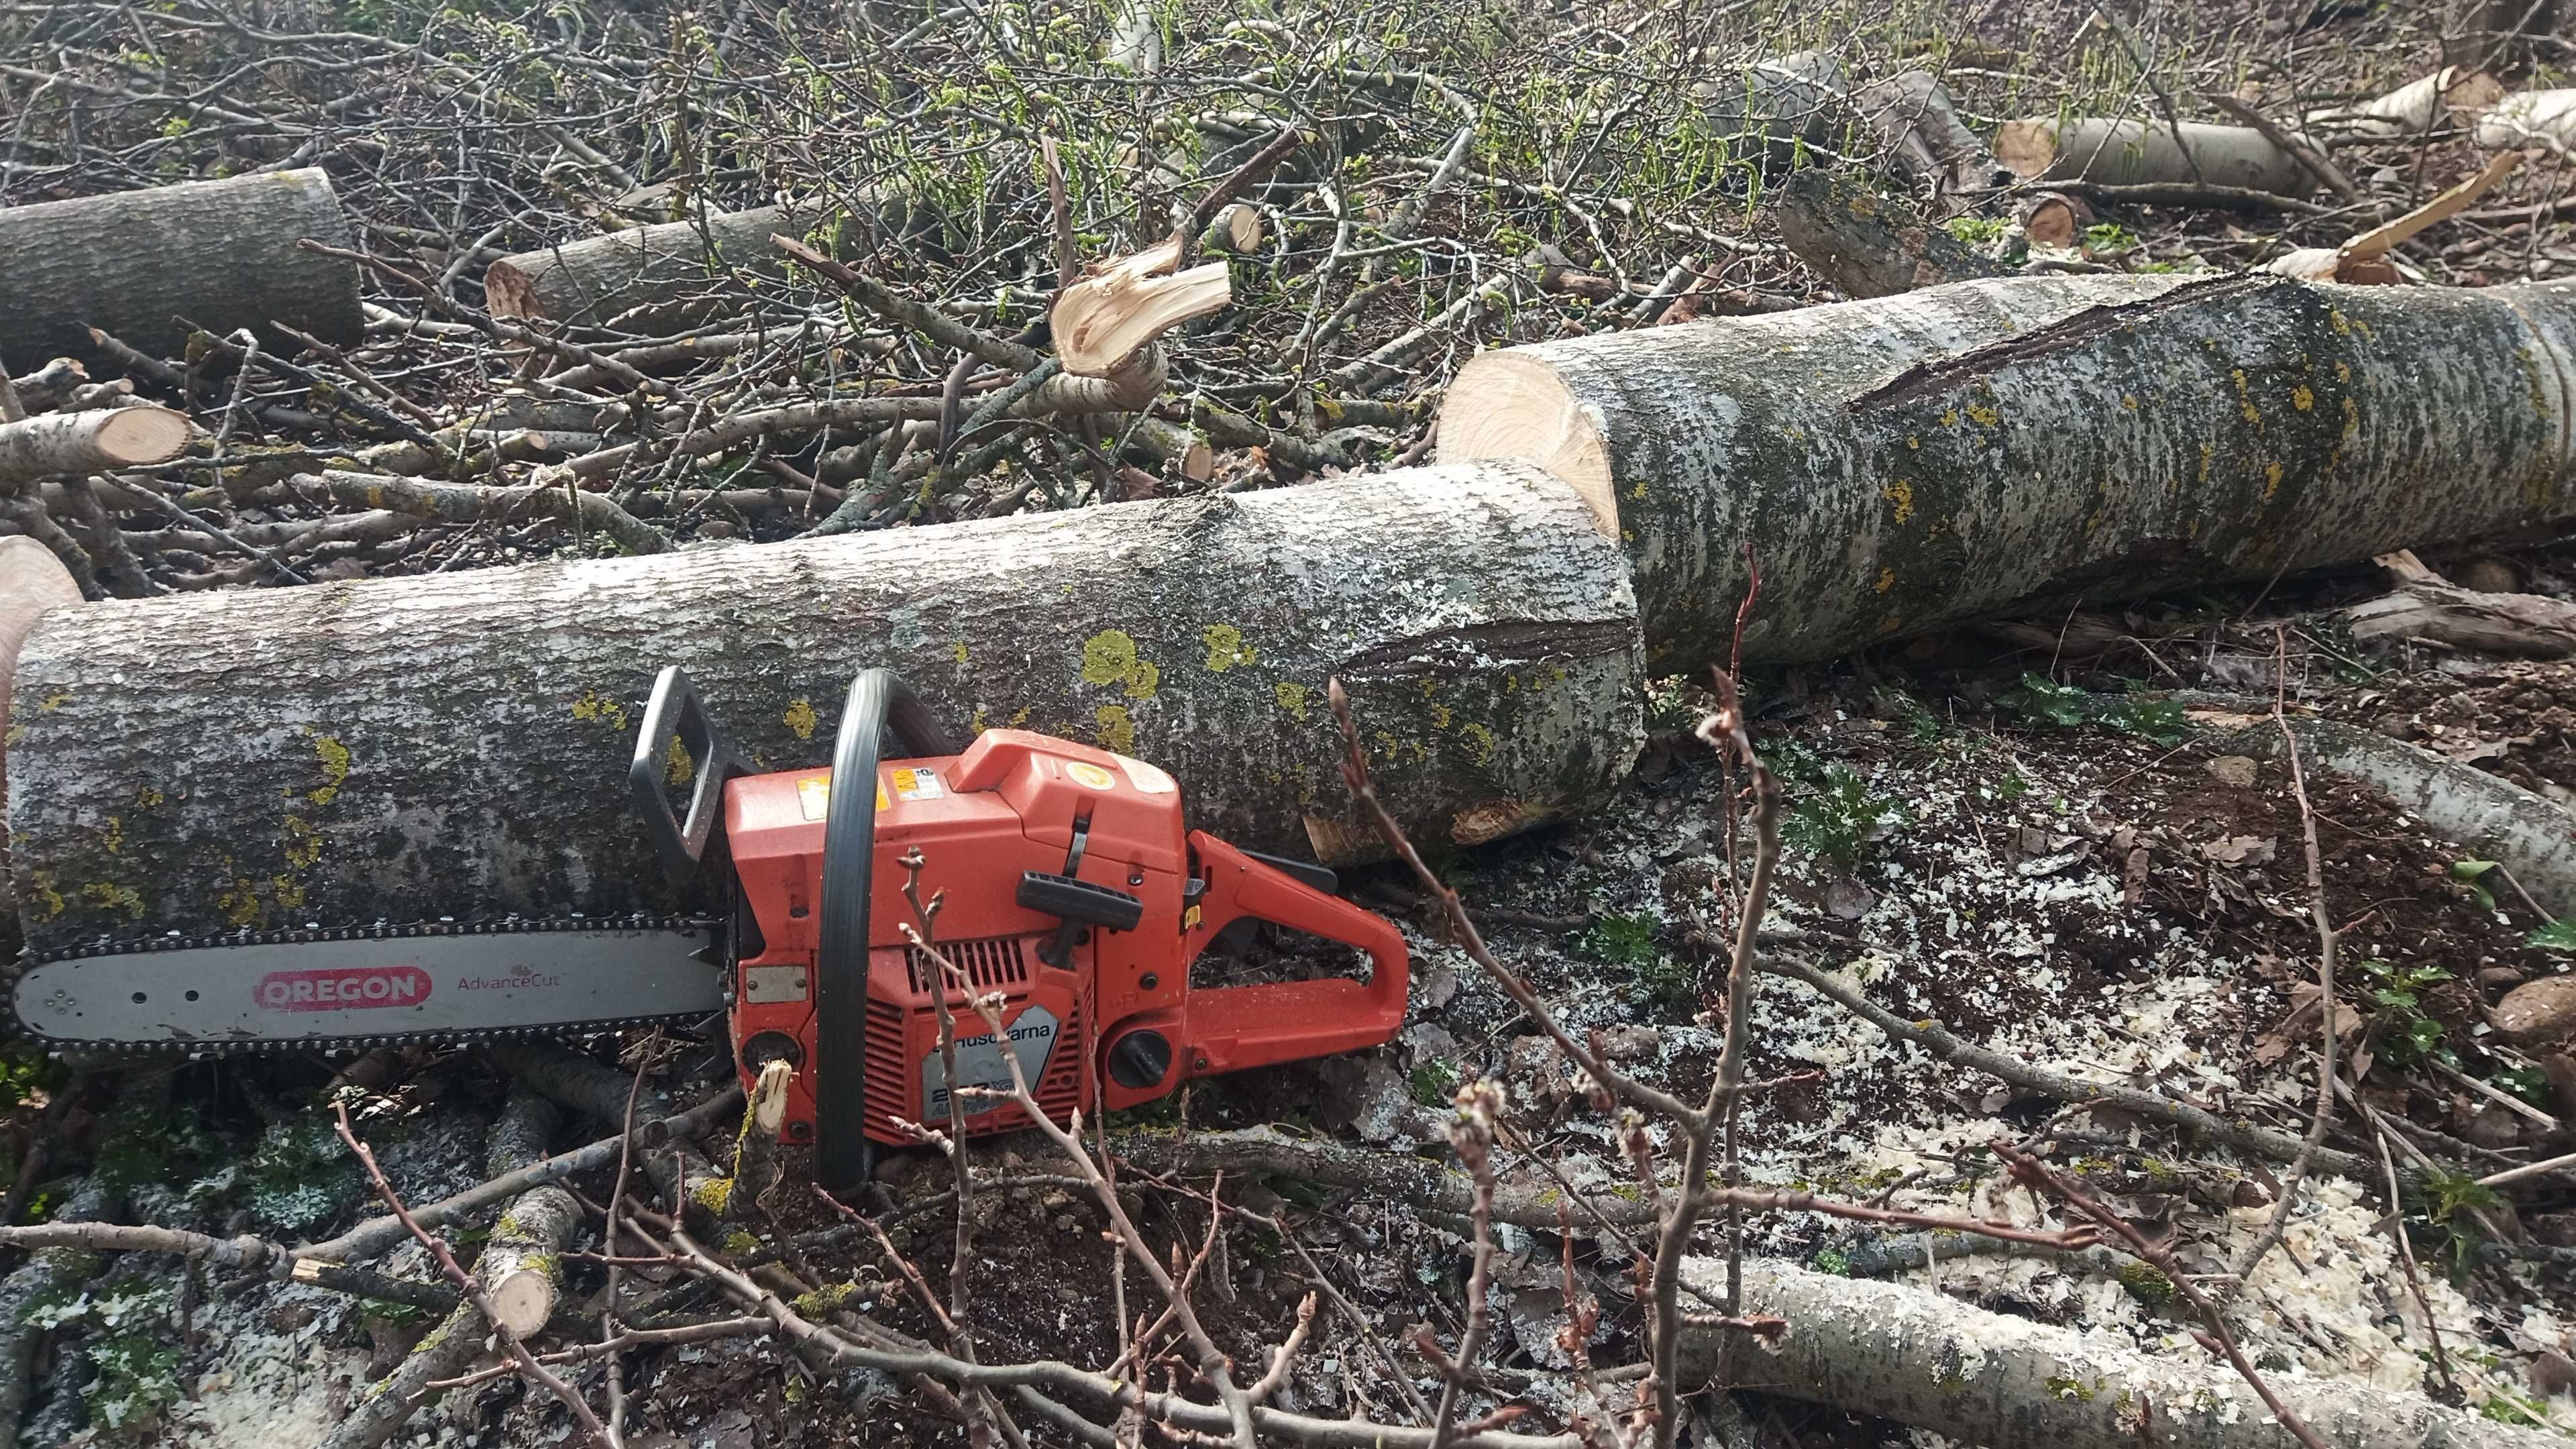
x=878 y=701
x=682 y=744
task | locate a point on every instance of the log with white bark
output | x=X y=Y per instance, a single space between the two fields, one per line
x=457 y=745
x=1994 y=446
x=2105 y=152
x=2450 y=96
x=2546 y=119
x=1928 y=1361
x=221 y=253
x=644 y=278
x=2501 y=821
x=90 y=442
x=1914 y=119
x=1775 y=111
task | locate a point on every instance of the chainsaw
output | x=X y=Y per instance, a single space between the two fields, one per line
x=1071 y=891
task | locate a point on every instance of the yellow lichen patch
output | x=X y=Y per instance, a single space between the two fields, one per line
x=335 y=767
x=111 y=897
x=1019 y=719
x=1116 y=731
x=2343 y=372
x=2207 y=451
x=1900 y=493
x=1479 y=741
x=1886 y=580
x=1913 y=442
x=2302 y=399
x=1110 y=657
x=2271 y=479
x=55 y=701
x=146 y=798
x=113 y=838
x=301 y=842
x=959 y=650
x=17 y=736
x=596 y=706
x=1292 y=698
x=677 y=768
x=2351 y=416
x=1441 y=715
x=976 y=725
x=1949 y=417
x=1225 y=648
x=40 y=888
x=290 y=892
x=800 y=718
x=2341 y=324
x=240 y=905
x=1890 y=624
x=2129 y=401
x=1638 y=493
x=1984 y=416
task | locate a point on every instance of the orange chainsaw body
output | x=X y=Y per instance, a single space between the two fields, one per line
x=1096 y=1017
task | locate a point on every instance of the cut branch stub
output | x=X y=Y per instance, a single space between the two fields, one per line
x=1104 y=323
x=1987 y=446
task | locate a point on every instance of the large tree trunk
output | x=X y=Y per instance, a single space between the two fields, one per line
x=457 y=745
x=1906 y=463
x=2008 y=1383
x=221 y=253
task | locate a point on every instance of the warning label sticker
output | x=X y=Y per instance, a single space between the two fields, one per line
x=814 y=796
x=917 y=784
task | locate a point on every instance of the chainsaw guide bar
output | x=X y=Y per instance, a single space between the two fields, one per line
x=440 y=983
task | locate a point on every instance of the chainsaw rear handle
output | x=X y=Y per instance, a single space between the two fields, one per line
x=676 y=716
x=1233 y=1027
x=879 y=700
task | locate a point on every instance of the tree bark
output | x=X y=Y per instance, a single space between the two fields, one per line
x=1867 y=243
x=1915 y=120
x=1776 y=110
x=2449 y=96
x=102 y=441
x=458 y=745
x=655 y=271
x=2008 y=1383
x=2005 y=445
x=2149 y=153
x=130 y=263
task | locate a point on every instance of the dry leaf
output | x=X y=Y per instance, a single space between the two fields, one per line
x=2243 y=849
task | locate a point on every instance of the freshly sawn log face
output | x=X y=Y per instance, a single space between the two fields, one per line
x=221 y=253
x=1909 y=462
x=410 y=748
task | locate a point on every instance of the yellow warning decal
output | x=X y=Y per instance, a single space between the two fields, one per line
x=814 y=796
x=1086 y=773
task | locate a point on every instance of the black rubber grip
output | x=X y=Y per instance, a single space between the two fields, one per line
x=1068 y=899
x=878 y=699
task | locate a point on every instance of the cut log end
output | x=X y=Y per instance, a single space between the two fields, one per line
x=769 y=1098
x=1237 y=229
x=139 y=437
x=1511 y=405
x=524 y=1298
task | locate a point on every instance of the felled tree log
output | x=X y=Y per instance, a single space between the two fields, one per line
x=2023 y=443
x=654 y=271
x=1932 y=1362
x=129 y=263
x=458 y=745
x=1865 y=242
x=1773 y=111
x=2148 y=153
x=2449 y=96
x=2530 y=118
x=1912 y=114
x=108 y=439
